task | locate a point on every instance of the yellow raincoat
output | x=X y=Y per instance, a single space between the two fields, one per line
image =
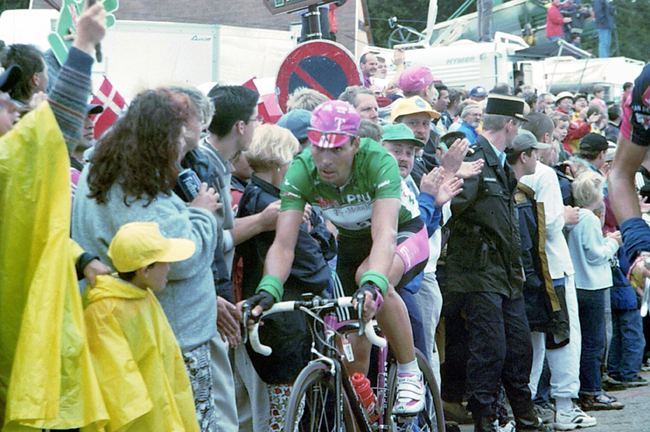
x=138 y=362
x=46 y=377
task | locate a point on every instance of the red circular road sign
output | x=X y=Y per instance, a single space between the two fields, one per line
x=320 y=65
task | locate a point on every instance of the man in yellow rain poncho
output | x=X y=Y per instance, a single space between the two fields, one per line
x=47 y=379
x=139 y=364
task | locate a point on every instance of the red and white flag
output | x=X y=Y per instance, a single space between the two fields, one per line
x=113 y=104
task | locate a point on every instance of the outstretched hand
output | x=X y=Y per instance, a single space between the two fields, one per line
x=470 y=169
x=91 y=28
x=448 y=190
x=228 y=317
x=452 y=159
x=435 y=184
x=431 y=181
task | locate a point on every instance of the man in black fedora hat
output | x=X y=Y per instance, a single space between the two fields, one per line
x=484 y=274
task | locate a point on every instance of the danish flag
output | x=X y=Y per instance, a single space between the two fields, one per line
x=113 y=104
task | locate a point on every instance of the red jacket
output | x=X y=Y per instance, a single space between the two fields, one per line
x=577 y=130
x=554 y=21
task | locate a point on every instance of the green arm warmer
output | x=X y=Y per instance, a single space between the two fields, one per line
x=376 y=278
x=272 y=285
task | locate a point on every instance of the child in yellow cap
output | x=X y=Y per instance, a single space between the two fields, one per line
x=137 y=359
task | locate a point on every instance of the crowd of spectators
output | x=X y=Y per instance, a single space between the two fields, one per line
x=565 y=19
x=121 y=292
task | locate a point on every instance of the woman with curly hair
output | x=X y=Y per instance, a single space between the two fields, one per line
x=130 y=179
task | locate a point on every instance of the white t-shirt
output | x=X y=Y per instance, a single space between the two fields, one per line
x=547 y=191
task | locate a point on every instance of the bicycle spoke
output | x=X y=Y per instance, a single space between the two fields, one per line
x=312 y=405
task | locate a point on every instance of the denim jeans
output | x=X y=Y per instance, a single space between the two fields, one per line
x=417 y=325
x=626 y=350
x=604 y=42
x=553 y=38
x=591 y=307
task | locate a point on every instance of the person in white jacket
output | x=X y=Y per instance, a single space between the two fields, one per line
x=591 y=253
x=563 y=360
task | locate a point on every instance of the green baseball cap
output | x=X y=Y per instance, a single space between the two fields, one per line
x=400 y=132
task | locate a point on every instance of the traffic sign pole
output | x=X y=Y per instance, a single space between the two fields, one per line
x=277 y=7
x=314 y=30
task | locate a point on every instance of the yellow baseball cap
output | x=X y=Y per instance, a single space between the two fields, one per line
x=139 y=244
x=412 y=105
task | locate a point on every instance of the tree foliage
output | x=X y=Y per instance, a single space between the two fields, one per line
x=632 y=29
x=13 y=4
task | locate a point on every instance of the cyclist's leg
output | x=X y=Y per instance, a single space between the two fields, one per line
x=350 y=255
x=393 y=318
x=430 y=418
x=411 y=256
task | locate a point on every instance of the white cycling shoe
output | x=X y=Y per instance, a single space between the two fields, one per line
x=410 y=394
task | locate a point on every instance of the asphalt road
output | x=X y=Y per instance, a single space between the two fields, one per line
x=635 y=417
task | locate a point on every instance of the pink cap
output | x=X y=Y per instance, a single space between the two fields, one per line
x=415 y=78
x=333 y=123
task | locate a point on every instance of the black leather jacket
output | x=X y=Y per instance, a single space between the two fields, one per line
x=483 y=251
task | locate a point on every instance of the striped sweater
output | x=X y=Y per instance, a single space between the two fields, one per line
x=69 y=97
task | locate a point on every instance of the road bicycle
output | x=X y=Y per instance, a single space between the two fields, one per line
x=323 y=398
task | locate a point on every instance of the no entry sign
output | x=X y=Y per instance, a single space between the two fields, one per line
x=324 y=66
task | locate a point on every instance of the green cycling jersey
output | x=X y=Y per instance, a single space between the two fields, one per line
x=375 y=175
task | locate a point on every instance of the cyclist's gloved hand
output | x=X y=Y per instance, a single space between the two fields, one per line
x=259 y=303
x=268 y=291
x=371 y=303
x=367 y=287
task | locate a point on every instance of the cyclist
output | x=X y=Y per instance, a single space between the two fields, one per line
x=357 y=186
x=632 y=149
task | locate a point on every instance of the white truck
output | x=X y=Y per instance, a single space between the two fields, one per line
x=464 y=64
x=141 y=54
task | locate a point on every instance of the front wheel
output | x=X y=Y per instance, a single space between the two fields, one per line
x=313 y=404
x=431 y=418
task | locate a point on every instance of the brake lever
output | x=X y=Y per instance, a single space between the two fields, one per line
x=362 y=325
x=246 y=311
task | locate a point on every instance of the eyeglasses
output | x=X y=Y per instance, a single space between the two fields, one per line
x=328 y=139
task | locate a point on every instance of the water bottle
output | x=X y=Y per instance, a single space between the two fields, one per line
x=365 y=395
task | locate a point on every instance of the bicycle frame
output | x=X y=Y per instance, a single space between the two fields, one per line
x=327 y=374
x=332 y=327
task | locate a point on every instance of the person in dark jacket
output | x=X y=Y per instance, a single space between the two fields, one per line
x=288 y=333
x=484 y=271
x=625 y=356
x=539 y=294
x=604 y=18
